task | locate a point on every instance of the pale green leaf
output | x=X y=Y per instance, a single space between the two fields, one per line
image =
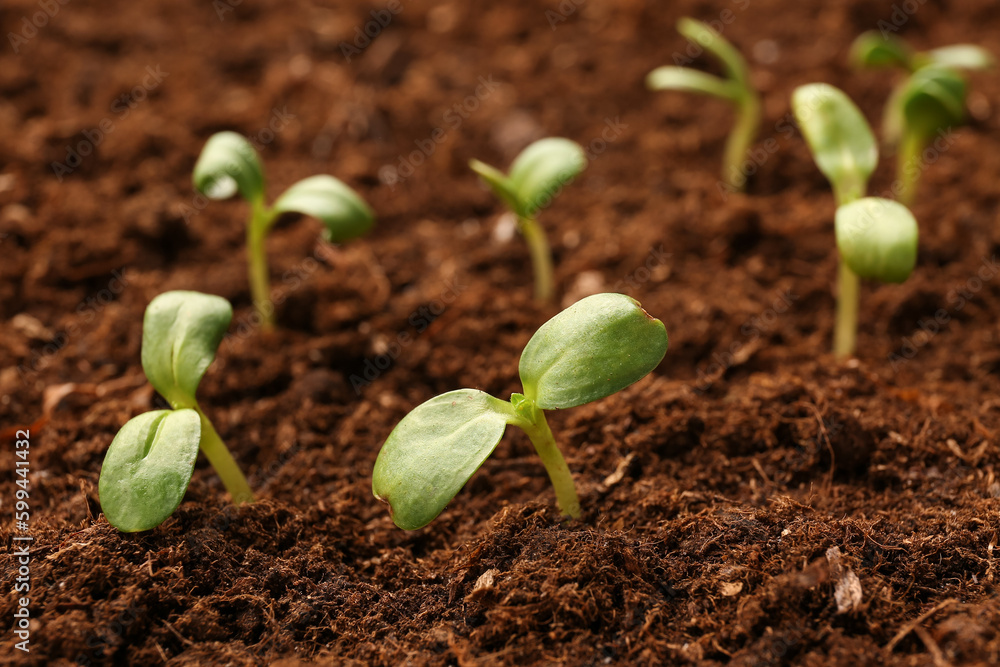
x=498 y=182
x=148 y=468
x=229 y=164
x=181 y=332
x=877 y=239
x=343 y=212
x=839 y=137
x=871 y=49
x=703 y=35
x=433 y=452
x=594 y=348
x=960 y=56
x=538 y=173
x=692 y=80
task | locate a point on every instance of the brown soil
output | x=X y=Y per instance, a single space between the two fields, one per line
x=716 y=492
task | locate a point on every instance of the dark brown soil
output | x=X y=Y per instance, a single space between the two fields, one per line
x=717 y=493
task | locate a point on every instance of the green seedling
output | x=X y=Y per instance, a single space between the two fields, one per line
x=877 y=238
x=928 y=102
x=536 y=176
x=594 y=348
x=150 y=462
x=229 y=164
x=735 y=88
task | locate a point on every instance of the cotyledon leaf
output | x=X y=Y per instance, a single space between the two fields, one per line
x=181 y=332
x=433 y=452
x=542 y=169
x=342 y=210
x=594 y=348
x=877 y=238
x=148 y=468
x=229 y=164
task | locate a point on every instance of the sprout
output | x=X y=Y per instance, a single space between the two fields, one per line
x=877 y=238
x=736 y=89
x=928 y=102
x=594 y=348
x=536 y=176
x=149 y=463
x=229 y=164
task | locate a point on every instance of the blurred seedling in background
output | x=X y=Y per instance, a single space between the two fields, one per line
x=927 y=103
x=536 y=177
x=594 y=348
x=735 y=88
x=229 y=164
x=877 y=238
x=150 y=462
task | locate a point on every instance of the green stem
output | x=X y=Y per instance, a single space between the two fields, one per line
x=541 y=257
x=222 y=460
x=908 y=165
x=846 y=331
x=260 y=288
x=740 y=140
x=562 y=479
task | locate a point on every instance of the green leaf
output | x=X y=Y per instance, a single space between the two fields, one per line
x=871 y=49
x=839 y=137
x=692 y=80
x=148 y=468
x=541 y=170
x=959 y=56
x=933 y=99
x=228 y=163
x=877 y=239
x=342 y=210
x=180 y=335
x=703 y=35
x=594 y=348
x=433 y=452
x=498 y=182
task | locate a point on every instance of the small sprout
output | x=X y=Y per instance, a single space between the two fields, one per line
x=229 y=165
x=594 y=348
x=877 y=238
x=736 y=89
x=928 y=102
x=149 y=463
x=536 y=176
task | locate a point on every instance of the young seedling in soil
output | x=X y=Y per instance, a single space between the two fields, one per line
x=536 y=176
x=149 y=463
x=735 y=88
x=229 y=164
x=877 y=238
x=594 y=348
x=929 y=102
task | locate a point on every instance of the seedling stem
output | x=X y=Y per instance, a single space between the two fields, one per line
x=541 y=257
x=222 y=460
x=532 y=421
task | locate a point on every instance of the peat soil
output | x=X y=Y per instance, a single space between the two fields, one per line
x=752 y=502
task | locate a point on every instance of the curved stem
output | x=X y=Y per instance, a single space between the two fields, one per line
x=260 y=288
x=908 y=165
x=846 y=331
x=740 y=140
x=555 y=465
x=222 y=460
x=541 y=257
